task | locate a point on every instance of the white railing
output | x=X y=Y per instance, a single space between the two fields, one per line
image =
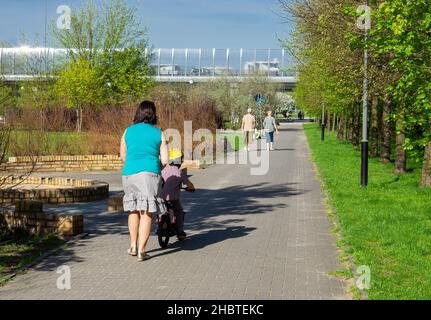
x=22 y=62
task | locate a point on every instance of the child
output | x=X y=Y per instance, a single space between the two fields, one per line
x=174 y=178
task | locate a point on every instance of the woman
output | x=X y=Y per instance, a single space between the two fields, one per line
x=143 y=150
x=270 y=125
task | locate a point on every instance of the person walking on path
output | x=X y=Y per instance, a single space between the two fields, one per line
x=270 y=126
x=143 y=150
x=248 y=126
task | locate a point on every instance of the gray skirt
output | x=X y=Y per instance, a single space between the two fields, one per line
x=142 y=193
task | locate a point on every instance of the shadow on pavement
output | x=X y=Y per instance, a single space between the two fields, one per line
x=289 y=128
x=237 y=200
x=201 y=240
x=206 y=206
x=212 y=216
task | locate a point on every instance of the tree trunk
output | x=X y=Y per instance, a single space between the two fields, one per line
x=426 y=170
x=351 y=125
x=346 y=126
x=340 y=130
x=374 y=130
x=385 y=153
x=400 y=160
x=356 y=126
x=77 y=120
x=334 y=122
x=42 y=124
x=328 y=121
x=81 y=119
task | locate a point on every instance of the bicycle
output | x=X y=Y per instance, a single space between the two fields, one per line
x=166 y=224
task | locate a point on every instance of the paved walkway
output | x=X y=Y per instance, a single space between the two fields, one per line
x=251 y=237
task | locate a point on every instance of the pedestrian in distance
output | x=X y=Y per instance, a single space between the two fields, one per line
x=270 y=126
x=248 y=126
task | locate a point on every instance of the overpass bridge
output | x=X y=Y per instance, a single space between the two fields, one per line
x=173 y=65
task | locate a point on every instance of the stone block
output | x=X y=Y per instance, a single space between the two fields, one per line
x=70 y=225
x=29 y=206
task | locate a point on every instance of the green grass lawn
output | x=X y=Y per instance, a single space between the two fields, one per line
x=18 y=250
x=386 y=226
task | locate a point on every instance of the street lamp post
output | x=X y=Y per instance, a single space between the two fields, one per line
x=364 y=143
x=322 y=136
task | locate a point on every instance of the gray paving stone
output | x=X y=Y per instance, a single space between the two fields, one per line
x=249 y=237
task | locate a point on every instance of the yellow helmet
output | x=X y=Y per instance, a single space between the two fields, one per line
x=175 y=154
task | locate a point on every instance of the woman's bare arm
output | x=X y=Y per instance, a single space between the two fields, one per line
x=164 y=154
x=275 y=126
x=123 y=147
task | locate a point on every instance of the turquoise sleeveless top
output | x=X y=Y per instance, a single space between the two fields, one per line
x=143 y=149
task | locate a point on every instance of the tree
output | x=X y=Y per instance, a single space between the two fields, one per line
x=329 y=71
x=126 y=74
x=39 y=95
x=403 y=32
x=329 y=49
x=113 y=42
x=4 y=142
x=7 y=98
x=79 y=84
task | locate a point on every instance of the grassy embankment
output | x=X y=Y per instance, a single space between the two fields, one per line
x=386 y=226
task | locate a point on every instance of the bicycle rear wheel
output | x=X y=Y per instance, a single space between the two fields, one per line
x=163 y=231
x=163 y=241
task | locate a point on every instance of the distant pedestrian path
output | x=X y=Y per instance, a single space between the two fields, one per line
x=251 y=237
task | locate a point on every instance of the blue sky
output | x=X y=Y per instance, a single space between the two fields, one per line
x=171 y=23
